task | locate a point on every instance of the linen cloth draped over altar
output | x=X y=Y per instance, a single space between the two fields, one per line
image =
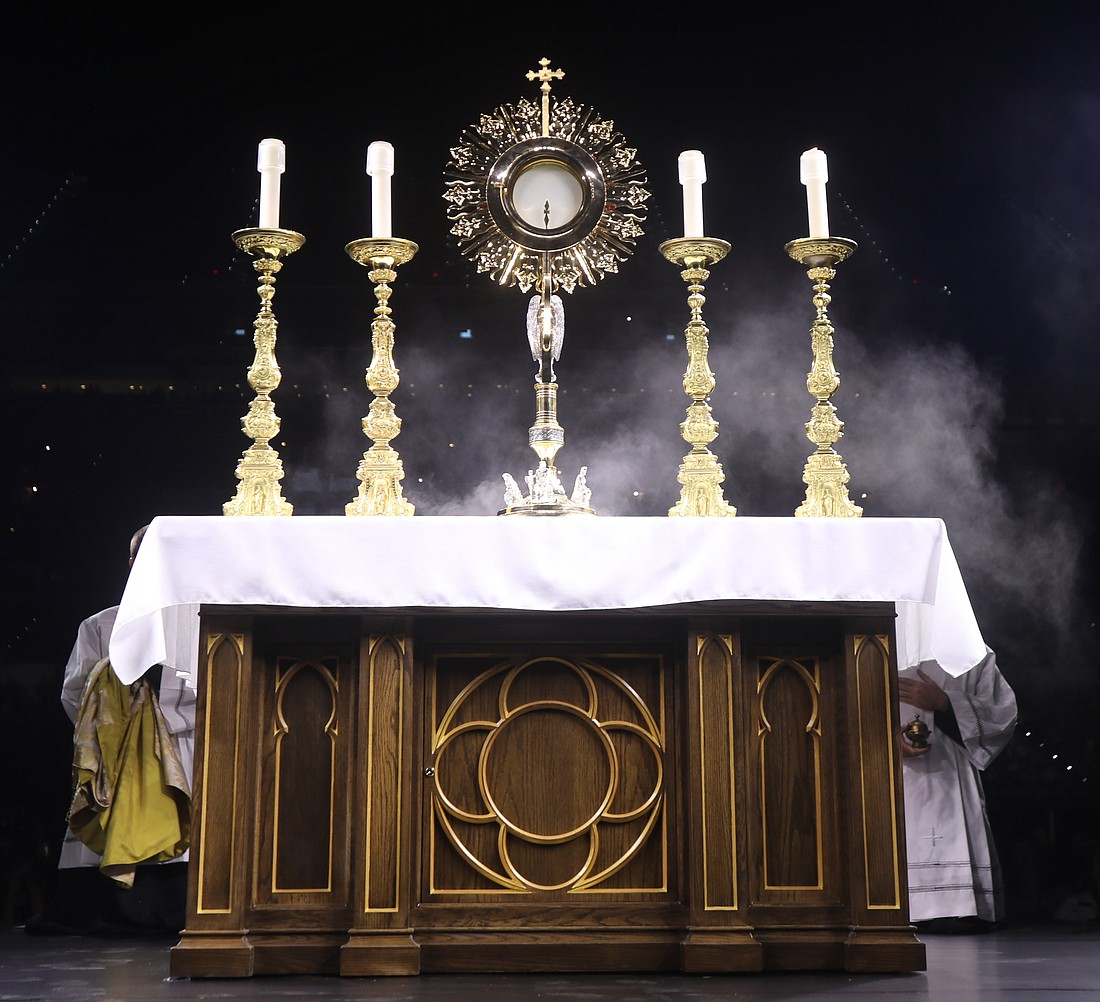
x=560 y=564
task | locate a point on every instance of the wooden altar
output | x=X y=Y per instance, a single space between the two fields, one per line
x=507 y=744
x=710 y=787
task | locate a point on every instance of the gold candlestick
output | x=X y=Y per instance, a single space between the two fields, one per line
x=380 y=471
x=825 y=474
x=700 y=472
x=260 y=470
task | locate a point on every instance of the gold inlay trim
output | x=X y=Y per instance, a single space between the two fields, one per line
x=281 y=729
x=213 y=642
x=725 y=642
x=648 y=728
x=813 y=728
x=374 y=645
x=883 y=641
x=511 y=826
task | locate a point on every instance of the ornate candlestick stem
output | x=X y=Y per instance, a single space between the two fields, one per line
x=700 y=472
x=260 y=470
x=825 y=474
x=380 y=471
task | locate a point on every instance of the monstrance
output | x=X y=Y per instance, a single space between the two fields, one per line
x=546 y=196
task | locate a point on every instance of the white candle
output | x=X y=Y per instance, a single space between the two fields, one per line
x=270 y=162
x=693 y=172
x=815 y=172
x=380 y=169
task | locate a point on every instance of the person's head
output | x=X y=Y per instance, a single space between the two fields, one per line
x=135 y=543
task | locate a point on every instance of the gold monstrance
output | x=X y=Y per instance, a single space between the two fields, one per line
x=548 y=197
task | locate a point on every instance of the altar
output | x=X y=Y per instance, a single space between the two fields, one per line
x=587 y=744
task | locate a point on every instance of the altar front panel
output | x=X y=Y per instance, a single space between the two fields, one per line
x=555 y=792
x=551 y=792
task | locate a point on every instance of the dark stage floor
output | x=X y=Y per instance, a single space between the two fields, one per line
x=1021 y=964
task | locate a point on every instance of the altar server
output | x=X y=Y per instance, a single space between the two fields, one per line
x=176 y=698
x=954 y=872
x=165 y=702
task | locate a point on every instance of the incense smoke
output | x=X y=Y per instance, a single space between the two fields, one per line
x=923 y=428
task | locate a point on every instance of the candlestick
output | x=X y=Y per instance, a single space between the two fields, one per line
x=814 y=167
x=260 y=469
x=380 y=169
x=270 y=162
x=693 y=172
x=381 y=471
x=825 y=474
x=700 y=472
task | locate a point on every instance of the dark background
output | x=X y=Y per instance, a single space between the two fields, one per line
x=963 y=145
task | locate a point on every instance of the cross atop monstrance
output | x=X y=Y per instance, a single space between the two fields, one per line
x=545 y=74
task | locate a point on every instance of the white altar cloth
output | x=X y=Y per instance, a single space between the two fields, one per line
x=567 y=563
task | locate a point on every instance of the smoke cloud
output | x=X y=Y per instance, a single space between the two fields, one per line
x=924 y=437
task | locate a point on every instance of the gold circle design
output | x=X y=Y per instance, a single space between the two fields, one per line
x=515 y=706
x=549 y=706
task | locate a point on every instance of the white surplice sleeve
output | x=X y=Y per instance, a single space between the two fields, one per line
x=92 y=639
x=985 y=710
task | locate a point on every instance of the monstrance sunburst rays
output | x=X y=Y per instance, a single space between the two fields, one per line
x=479 y=238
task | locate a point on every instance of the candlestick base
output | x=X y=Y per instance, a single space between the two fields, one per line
x=700 y=473
x=260 y=471
x=825 y=475
x=381 y=471
x=380 y=474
